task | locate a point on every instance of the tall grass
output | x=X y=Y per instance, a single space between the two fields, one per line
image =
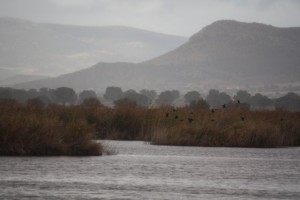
x=233 y=128
x=72 y=130
x=26 y=130
x=225 y=127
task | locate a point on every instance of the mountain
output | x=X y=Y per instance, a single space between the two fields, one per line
x=244 y=52
x=52 y=49
x=224 y=54
x=16 y=79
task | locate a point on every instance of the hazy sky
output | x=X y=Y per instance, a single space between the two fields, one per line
x=180 y=17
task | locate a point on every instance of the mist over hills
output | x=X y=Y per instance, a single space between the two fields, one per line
x=52 y=49
x=224 y=54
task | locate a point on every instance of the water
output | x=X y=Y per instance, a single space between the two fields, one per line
x=143 y=171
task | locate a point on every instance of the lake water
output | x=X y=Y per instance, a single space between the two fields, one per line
x=143 y=171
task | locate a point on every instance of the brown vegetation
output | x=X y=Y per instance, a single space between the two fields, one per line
x=70 y=130
x=27 y=130
x=233 y=128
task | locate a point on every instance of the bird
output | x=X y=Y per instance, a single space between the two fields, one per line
x=224 y=106
x=212 y=110
x=238 y=101
x=190 y=120
x=167 y=114
x=242 y=118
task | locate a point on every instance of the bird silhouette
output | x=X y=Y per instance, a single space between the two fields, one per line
x=224 y=106
x=190 y=120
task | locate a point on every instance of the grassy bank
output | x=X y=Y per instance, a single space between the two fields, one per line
x=71 y=130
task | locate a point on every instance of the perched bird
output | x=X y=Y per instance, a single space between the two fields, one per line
x=224 y=106
x=238 y=101
x=190 y=120
x=167 y=114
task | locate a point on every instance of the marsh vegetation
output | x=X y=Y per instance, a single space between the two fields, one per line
x=73 y=130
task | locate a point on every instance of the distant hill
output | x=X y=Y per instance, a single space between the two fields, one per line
x=16 y=79
x=224 y=54
x=51 y=49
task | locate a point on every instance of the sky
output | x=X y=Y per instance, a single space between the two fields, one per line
x=177 y=17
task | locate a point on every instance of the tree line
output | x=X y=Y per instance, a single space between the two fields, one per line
x=150 y=98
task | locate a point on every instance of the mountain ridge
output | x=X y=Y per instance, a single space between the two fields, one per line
x=225 y=53
x=50 y=49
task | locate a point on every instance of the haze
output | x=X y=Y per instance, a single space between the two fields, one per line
x=166 y=16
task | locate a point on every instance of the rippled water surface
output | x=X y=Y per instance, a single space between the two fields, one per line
x=143 y=171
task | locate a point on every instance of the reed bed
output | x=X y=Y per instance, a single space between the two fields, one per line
x=72 y=130
x=232 y=128
x=26 y=130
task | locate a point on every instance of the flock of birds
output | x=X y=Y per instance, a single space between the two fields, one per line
x=191 y=119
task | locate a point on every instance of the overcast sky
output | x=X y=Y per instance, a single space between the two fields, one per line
x=179 y=17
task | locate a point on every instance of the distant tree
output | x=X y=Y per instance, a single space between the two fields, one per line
x=141 y=100
x=65 y=95
x=46 y=101
x=32 y=93
x=113 y=93
x=151 y=94
x=199 y=104
x=243 y=96
x=8 y=102
x=86 y=94
x=192 y=96
x=175 y=94
x=289 y=102
x=125 y=103
x=46 y=92
x=91 y=102
x=165 y=98
x=217 y=99
x=5 y=93
x=36 y=102
x=20 y=95
x=261 y=101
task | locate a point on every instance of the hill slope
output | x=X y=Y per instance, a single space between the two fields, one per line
x=51 y=49
x=225 y=53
